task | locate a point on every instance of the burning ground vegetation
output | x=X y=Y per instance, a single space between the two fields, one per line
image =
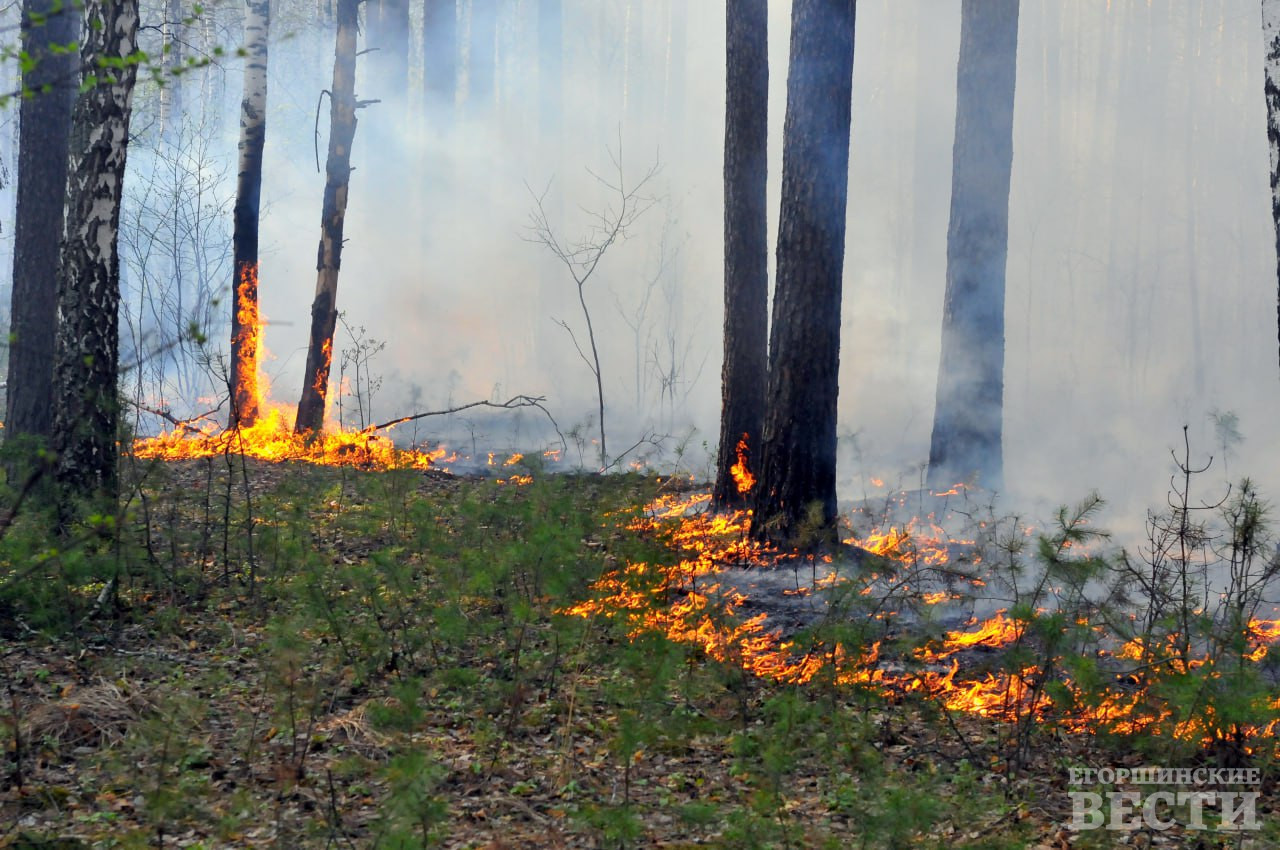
x=305 y=655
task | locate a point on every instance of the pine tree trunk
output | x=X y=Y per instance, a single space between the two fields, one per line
x=967 y=421
x=1271 y=36
x=44 y=130
x=482 y=56
x=440 y=56
x=85 y=365
x=796 y=492
x=324 y=310
x=388 y=37
x=746 y=245
x=550 y=70
x=245 y=323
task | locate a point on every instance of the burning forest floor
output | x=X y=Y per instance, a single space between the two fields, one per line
x=292 y=655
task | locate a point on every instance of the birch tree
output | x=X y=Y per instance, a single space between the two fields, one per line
x=324 y=310
x=87 y=348
x=1271 y=88
x=245 y=319
x=796 y=491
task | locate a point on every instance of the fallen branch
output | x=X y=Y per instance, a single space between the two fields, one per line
x=512 y=403
x=169 y=417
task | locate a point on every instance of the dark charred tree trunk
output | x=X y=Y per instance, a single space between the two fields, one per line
x=1271 y=34
x=44 y=126
x=88 y=341
x=245 y=322
x=482 y=56
x=388 y=36
x=440 y=56
x=967 y=421
x=324 y=310
x=746 y=245
x=796 y=492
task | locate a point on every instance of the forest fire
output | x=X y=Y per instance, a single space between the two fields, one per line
x=995 y=667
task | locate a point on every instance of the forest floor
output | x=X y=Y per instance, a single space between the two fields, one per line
x=301 y=657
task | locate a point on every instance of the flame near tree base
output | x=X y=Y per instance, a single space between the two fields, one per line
x=693 y=601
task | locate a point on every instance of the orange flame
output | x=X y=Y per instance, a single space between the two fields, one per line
x=742 y=476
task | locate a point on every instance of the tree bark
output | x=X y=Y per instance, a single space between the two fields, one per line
x=324 y=311
x=85 y=365
x=246 y=327
x=746 y=244
x=967 y=421
x=1271 y=36
x=44 y=127
x=796 y=493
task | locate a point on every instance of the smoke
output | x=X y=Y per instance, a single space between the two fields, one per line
x=1140 y=291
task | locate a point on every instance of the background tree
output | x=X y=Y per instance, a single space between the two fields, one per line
x=798 y=455
x=482 y=56
x=967 y=421
x=43 y=130
x=388 y=36
x=746 y=242
x=324 y=309
x=245 y=324
x=88 y=337
x=1271 y=88
x=440 y=56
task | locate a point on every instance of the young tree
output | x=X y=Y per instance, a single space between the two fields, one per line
x=798 y=454
x=324 y=310
x=44 y=125
x=1271 y=88
x=746 y=243
x=85 y=362
x=245 y=324
x=967 y=421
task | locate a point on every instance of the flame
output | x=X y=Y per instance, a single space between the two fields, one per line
x=742 y=476
x=246 y=345
x=689 y=604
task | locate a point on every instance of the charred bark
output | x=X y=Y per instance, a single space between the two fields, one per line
x=968 y=417
x=1271 y=85
x=44 y=127
x=746 y=244
x=324 y=312
x=796 y=493
x=440 y=56
x=85 y=364
x=245 y=319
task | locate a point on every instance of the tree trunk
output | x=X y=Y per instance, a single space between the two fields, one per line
x=1271 y=35
x=746 y=246
x=388 y=37
x=798 y=455
x=85 y=365
x=967 y=421
x=324 y=310
x=550 y=70
x=171 y=82
x=440 y=56
x=44 y=130
x=482 y=56
x=246 y=326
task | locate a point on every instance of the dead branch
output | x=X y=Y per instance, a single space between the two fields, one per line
x=512 y=403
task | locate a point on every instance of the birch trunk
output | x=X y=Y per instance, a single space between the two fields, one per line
x=324 y=310
x=245 y=320
x=85 y=365
x=1271 y=36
